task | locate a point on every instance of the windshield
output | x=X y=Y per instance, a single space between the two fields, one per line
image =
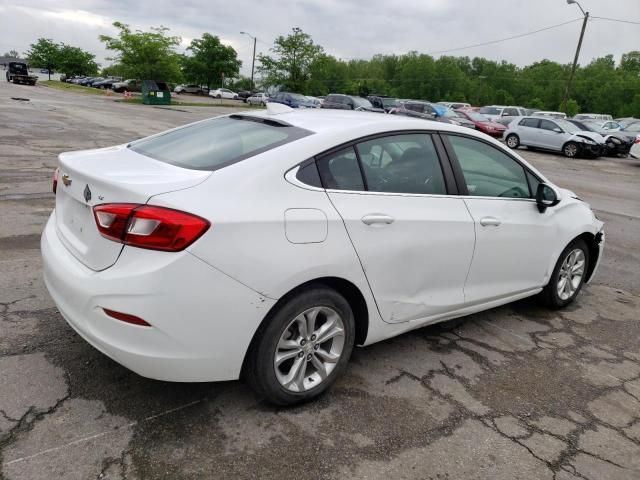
x=389 y=102
x=592 y=127
x=451 y=114
x=490 y=110
x=362 y=102
x=477 y=117
x=218 y=142
x=634 y=127
x=566 y=126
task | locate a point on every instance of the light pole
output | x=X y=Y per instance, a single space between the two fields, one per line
x=565 y=99
x=253 y=61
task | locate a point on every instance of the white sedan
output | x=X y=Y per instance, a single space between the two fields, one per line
x=223 y=93
x=268 y=244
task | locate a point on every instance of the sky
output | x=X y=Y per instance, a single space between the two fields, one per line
x=345 y=28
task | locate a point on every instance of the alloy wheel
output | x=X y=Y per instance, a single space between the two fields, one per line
x=571 y=150
x=512 y=141
x=571 y=274
x=309 y=349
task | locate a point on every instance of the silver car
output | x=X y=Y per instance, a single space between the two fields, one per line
x=553 y=134
x=258 y=99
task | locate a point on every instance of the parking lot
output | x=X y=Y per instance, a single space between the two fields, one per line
x=517 y=392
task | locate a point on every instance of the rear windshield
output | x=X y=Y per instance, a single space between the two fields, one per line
x=490 y=110
x=218 y=142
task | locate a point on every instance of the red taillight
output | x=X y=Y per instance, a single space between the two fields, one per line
x=54 y=187
x=148 y=226
x=125 y=317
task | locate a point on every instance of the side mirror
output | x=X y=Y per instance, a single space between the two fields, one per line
x=557 y=130
x=546 y=197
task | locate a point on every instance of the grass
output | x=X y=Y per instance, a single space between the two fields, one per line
x=177 y=103
x=70 y=87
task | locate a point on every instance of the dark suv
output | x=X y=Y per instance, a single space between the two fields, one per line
x=293 y=100
x=349 y=102
x=383 y=102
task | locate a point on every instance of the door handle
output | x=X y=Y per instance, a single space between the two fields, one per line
x=490 y=222
x=374 y=218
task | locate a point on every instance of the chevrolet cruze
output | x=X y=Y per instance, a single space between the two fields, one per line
x=265 y=246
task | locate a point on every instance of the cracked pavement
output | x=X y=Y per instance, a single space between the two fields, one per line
x=517 y=392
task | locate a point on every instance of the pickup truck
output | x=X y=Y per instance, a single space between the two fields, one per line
x=127 y=86
x=18 y=72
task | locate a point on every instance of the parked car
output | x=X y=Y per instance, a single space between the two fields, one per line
x=349 y=102
x=494 y=112
x=627 y=121
x=456 y=118
x=287 y=269
x=616 y=143
x=223 y=93
x=455 y=105
x=483 y=124
x=293 y=100
x=259 y=98
x=633 y=129
x=383 y=102
x=554 y=134
x=543 y=113
x=104 y=84
x=609 y=125
x=86 y=80
x=415 y=108
x=190 y=88
x=244 y=94
x=130 y=85
x=315 y=100
x=592 y=116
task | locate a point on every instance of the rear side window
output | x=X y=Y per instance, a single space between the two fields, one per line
x=218 y=142
x=340 y=170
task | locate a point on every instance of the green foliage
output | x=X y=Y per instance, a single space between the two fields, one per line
x=45 y=53
x=145 y=55
x=572 y=107
x=209 y=60
x=290 y=65
x=114 y=70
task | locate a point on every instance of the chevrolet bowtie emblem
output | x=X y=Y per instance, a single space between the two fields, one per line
x=66 y=180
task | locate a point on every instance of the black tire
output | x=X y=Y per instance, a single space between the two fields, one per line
x=512 y=140
x=218 y=96
x=260 y=372
x=549 y=294
x=571 y=150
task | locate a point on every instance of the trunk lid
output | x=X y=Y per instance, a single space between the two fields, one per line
x=109 y=175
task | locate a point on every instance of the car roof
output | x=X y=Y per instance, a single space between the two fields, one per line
x=330 y=121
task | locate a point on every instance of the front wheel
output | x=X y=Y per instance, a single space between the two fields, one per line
x=218 y=96
x=302 y=348
x=513 y=141
x=571 y=150
x=568 y=275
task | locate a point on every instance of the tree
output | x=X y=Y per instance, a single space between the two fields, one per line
x=11 y=54
x=291 y=63
x=630 y=62
x=209 y=61
x=75 y=61
x=44 y=54
x=145 y=55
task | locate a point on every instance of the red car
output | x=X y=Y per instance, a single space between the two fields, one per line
x=483 y=124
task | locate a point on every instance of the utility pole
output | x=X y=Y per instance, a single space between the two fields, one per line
x=565 y=99
x=253 y=61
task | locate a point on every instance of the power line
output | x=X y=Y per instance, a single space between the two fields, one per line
x=617 y=20
x=492 y=42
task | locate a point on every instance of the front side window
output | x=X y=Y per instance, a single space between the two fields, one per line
x=402 y=164
x=487 y=171
x=530 y=122
x=340 y=170
x=547 y=125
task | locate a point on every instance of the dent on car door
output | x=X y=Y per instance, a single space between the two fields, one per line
x=514 y=241
x=414 y=241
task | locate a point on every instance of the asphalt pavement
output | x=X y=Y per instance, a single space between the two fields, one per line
x=517 y=392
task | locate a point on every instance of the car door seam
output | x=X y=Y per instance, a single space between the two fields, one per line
x=364 y=271
x=473 y=254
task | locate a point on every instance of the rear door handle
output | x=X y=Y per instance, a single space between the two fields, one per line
x=490 y=222
x=375 y=218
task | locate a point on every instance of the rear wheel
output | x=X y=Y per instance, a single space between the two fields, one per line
x=571 y=150
x=302 y=347
x=513 y=141
x=568 y=275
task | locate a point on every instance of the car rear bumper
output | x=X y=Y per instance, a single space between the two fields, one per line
x=202 y=321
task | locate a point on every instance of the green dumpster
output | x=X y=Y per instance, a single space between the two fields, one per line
x=155 y=93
